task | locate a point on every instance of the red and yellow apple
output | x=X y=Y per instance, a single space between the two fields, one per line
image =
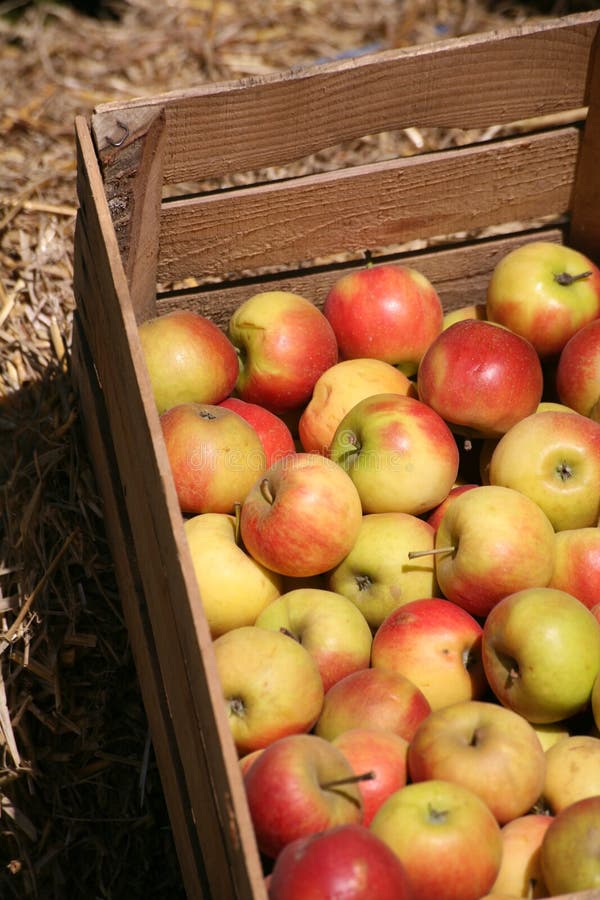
x=340 y=388
x=491 y=750
x=399 y=453
x=437 y=645
x=480 y=379
x=215 y=456
x=438 y=827
x=302 y=517
x=372 y=698
x=520 y=872
x=274 y=434
x=327 y=624
x=570 y=851
x=188 y=358
x=284 y=343
x=578 y=371
x=544 y=292
x=389 y=312
x=577 y=564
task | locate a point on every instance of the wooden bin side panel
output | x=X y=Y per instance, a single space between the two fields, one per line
x=476 y=82
x=183 y=643
x=369 y=207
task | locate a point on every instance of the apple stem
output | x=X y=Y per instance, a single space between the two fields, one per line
x=237 y=509
x=566 y=280
x=369 y=259
x=265 y=489
x=415 y=554
x=350 y=779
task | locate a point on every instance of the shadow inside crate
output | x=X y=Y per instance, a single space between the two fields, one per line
x=83 y=813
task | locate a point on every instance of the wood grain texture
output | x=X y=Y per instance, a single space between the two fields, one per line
x=135 y=612
x=482 y=80
x=368 y=207
x=183 y=643
x=585 y=205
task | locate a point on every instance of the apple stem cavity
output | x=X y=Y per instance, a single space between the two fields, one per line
x=566 y=280
x=416 y=554
x=265 y=489
x=350 y=779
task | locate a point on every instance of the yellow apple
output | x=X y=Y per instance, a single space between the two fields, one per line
x=234 y=587
x=472 y=311
x=572 y=771
x=520 y=872
x=377 y=574
x=339 y=389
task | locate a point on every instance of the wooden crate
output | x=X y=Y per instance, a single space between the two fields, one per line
x=135 y=233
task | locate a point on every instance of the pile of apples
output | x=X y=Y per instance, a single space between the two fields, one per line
x=393 y=515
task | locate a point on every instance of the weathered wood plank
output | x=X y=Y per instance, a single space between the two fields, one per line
x=485 y=79
x=183 y=643
x=585 y=204
x=368 y=207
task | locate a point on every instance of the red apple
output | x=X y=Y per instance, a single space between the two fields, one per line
x=347 y=862
x=577 y=564
x=188 y=358
x=399 y=453
x=271 y=686
x=274 y=434
x=491 y=750
x=480 y=379
x=578 y=371
x=437 y=645
x=491 y=542
x=388 y=312
x=214 y=454
x=544 y=292
x=372 y=698
x=302 y=517
x=383 y=754
x=284 y=343
x=300 y=785
x=445 y=836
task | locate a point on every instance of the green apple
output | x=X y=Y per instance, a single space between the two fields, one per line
x=328 y=625
x=545 y=292
x=400 y=454
x=377 y=574
x=491 y=542
x=572 y=771
x=485 y=747
x=553 y=458
x=271 y=686
x=551 y=733
x=570 y=851
x=340 y=388
x=234 y=587
x=436 y=828
x=541 y=653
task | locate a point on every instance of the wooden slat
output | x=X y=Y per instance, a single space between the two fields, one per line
x=368 y=207
x=481 y=80
x=585 y=205
x=99 y=444
x=460 y=275
x=183 y=643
